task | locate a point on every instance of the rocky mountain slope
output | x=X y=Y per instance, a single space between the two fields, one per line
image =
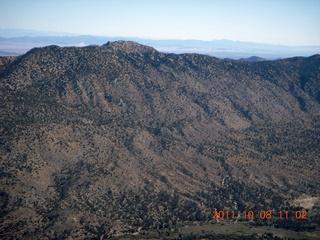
x=102 y=140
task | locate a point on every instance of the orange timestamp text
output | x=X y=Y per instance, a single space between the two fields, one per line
x=262 y=214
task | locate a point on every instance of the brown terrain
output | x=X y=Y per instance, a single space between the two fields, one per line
x=105 y=140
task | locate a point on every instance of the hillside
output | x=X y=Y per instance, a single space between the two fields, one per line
x=103 y=140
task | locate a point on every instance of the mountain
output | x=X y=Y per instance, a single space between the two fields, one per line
x=100 y=141
x=253 y=59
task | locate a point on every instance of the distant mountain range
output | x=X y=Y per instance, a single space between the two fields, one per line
x=102 y=141
x=17 y=42
x=253 y=59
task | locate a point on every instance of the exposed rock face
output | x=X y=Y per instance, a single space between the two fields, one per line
x=122 y=132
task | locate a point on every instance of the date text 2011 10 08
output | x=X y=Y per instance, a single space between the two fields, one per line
x=263 y=214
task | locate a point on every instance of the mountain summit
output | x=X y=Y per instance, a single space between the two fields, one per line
x=129 y=47
x=105 y=140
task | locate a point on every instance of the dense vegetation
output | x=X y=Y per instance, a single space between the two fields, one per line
x=115 y=139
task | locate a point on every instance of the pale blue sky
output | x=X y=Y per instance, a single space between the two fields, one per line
x=287 y=22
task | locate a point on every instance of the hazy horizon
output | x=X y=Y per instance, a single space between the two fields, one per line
x=10 y=33
x=282 y=22
x=18 y=41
